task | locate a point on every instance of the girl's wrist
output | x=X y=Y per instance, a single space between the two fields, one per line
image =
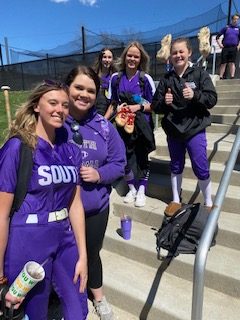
x=3 y=280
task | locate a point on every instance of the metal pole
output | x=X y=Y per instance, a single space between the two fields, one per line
x=214 y=60
x=1 y=57
x=83 y=42
x=7 y=104
x=206 y=239
x=6 y=50
x=229 y=11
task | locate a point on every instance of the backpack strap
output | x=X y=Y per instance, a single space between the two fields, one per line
x=23 y=176
x=142 y=81
x=119 y=76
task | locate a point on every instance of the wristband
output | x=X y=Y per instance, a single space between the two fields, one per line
x=142 y=108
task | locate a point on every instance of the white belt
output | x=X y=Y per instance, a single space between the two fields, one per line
x=52 y=216
x=58 y=215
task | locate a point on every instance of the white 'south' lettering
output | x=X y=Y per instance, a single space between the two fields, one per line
x=56 y=174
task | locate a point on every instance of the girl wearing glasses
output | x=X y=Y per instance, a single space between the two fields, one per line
x=103 y=156
x=49 y=226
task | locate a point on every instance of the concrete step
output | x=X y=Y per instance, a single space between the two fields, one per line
x=119 y=314
x=55 y=313
x=152 y=215
x=219 y=145
x=214 y=128
x=229 y=101
x=227 y=88
x=223 y=110
x=222 y=129
x=224 y=278
x=161 y=165
x=217 y=152
x=227 y=82
x=150 y=293
x=160 y=187
x=226 y=119
x=232 y=94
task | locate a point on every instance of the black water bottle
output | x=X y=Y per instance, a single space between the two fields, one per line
x=9 y=313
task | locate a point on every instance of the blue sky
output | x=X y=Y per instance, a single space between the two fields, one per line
x=44 y=24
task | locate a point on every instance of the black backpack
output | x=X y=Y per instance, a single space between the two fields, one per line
x=23 y=177
x=181 y=233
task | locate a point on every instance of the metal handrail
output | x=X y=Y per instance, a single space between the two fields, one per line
x=207 y=236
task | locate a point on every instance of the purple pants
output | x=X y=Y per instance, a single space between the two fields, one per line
x=197 y=150
x=54 y=240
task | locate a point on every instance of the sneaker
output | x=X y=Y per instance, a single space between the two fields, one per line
x=103 y=309
x=140 y=200
x=172 y=208
x=208 y=208
x=130 y=197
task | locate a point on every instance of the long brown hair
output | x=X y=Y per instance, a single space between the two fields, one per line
x=97 y=66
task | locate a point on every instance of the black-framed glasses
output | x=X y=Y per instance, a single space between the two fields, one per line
x=55 y=83
x=77 y=137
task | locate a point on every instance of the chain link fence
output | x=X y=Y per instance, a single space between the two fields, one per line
x=24 y=76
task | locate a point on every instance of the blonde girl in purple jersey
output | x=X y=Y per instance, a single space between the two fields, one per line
x=49 y=225
x=133 y=61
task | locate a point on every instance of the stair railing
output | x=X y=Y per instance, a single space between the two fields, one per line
x=207 y=236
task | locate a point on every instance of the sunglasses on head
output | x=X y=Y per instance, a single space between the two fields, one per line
x=77 y=137
x=54 y=83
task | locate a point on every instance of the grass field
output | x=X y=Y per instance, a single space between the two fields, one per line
x=16 y=98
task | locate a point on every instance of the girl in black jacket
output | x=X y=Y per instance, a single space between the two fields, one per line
x=184 y=96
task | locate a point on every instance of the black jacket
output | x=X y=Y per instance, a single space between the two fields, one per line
x=185 y=118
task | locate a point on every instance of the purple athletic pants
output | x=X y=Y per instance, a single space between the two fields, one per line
x=196 y=147
x=54 y=240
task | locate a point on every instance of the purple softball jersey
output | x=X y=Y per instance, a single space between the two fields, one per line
x=131 y=86
x=54 y=178
x=102 y=149
x=105 y=81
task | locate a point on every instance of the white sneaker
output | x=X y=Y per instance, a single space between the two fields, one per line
x=103 y=309
x=130 y=197
x=140 y=200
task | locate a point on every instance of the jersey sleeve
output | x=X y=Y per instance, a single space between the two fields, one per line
x=116 y=159
x=149 y=88
x=9 y=162
x=112 y=90
x=77 y=159
x=221 y=32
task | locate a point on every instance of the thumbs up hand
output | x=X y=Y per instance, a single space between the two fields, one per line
x=169 y=97
x=187 y=92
